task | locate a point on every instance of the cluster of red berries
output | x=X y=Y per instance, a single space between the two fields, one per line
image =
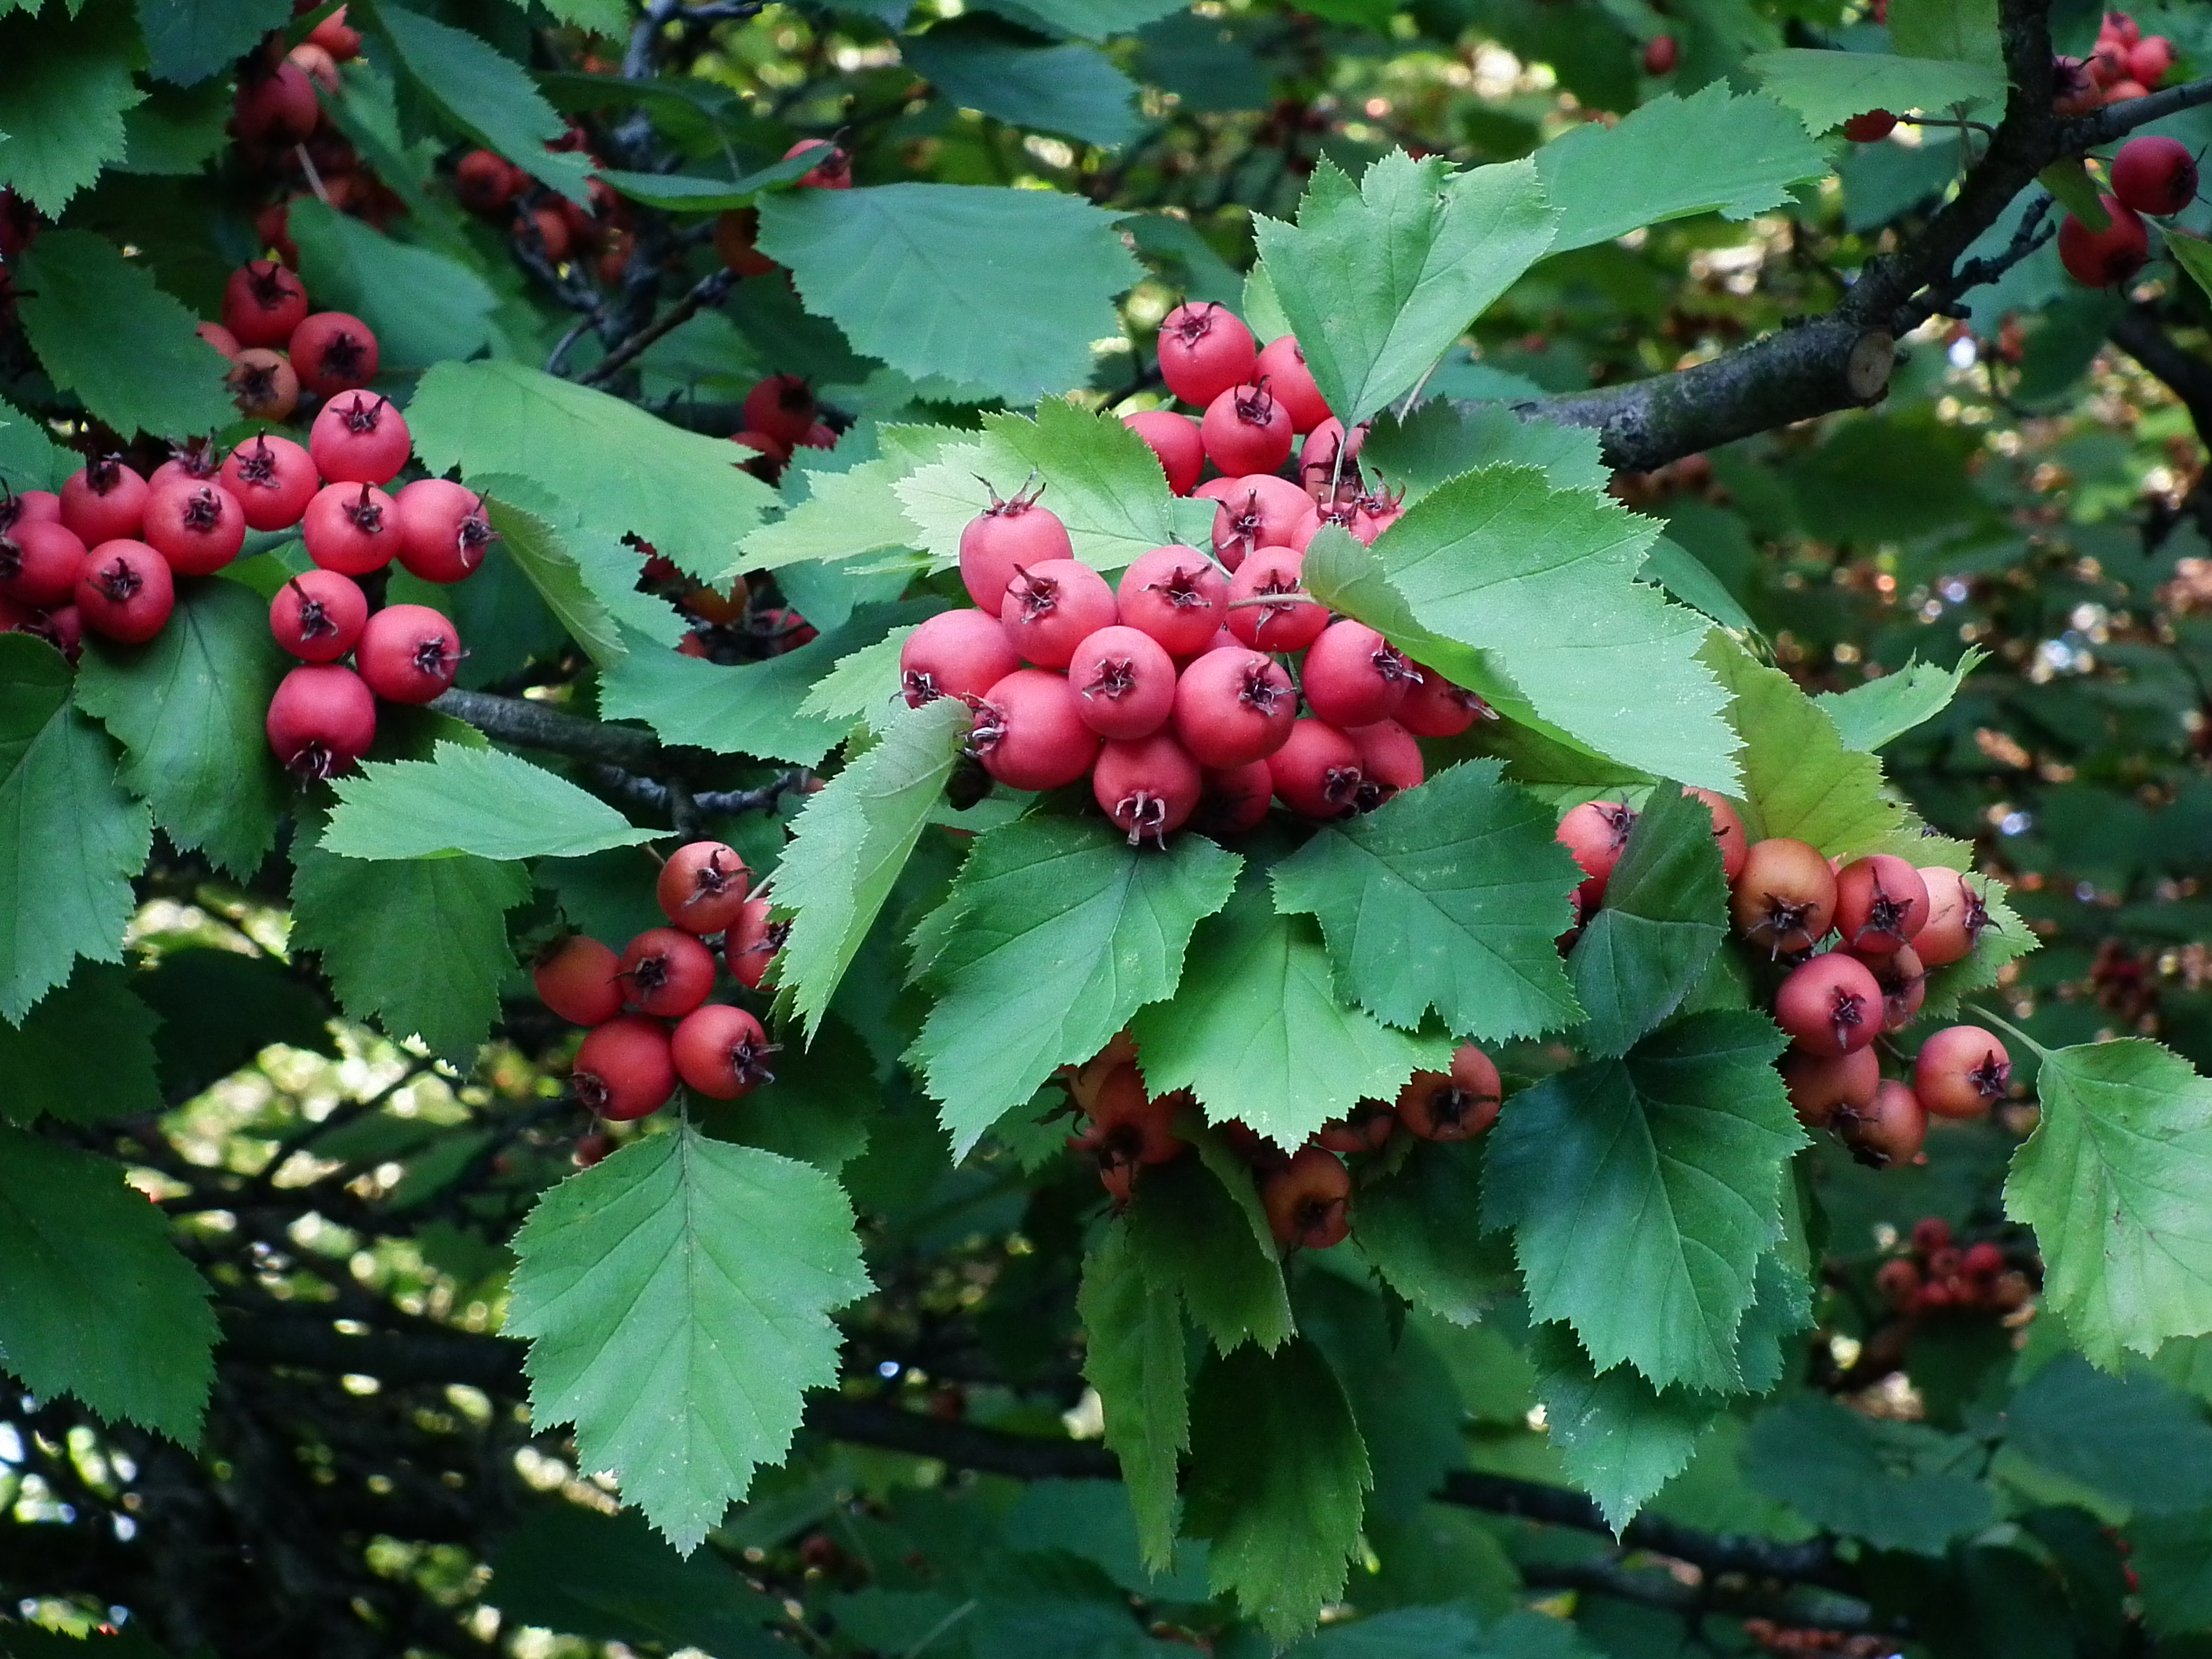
x=1802 y=1642
x=1892 y=922
x=490 y=186
x=1174 y=690
x=2150 y=176
x=2126 y=63
x=651 y=1024
x=1307 y=1194
x=780 y=416
x=1936 y=1276
x=279 y=349
x=284 y=132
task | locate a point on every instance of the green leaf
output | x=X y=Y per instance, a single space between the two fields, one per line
x=2193 y=254
x=1867 y=716
x=2117 y=1182
x=570 y=1569
x=1000 y=289
x=95 y=1302
x=189 y=708
x=190 y=41
x=1964 y=30
x=1377 y=281
x=1665 y=914
x=479 y=801
x=484 y=93
x=218 y=1009
x=1190 y=1237
x=1620 y=1438
x=1826 y=88
x=1133 y=1356
x=1257 y=1033
x=1687 y=577
x=1642 y=1190
x=2136 y=1441
x=625 y=470
x=1278 y=1475
x=850 y=843
x=1103 y=483
x=1898 y=1485
x=1055 y=932
x=588 y=585
x=417 y=945
x=1541 y=581
x=1443 y=439
x=64 y=88
x=44 y=1060
x=755 y=710
x=684 y=192
x=425 y=306
x=1799 y=778
x=1089 y=20
x=176 y=133
x=1450 y=897
x=864 y=686
x=677 y=1298
x=70 y=839
x=29 y=459
x=1013 y=77
x=845 y=516
x=2171 y=1559
x=821 y=1109
x=1714 y=152
x=1419 y=1227
x=104 y=331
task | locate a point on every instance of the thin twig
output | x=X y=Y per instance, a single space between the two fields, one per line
x=708 y=290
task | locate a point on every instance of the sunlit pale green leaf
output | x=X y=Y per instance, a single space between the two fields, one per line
x=479 y=801
x=1826 y=88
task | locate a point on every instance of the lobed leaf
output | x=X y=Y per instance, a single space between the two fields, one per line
x=1826 y=88
x=1048 y=86
x=677 y=1298
x=1420 y=1227
x=1133 y=1356
x=424 y=306
x=483 y=802
x=1869 y=716
x=1799 y=778
x=1620 y=1438
x=63 y=94
x=44 y=1062
x=1192 y=1238
x=188 y=40
x=1898 y=1485
x=2137 y=1440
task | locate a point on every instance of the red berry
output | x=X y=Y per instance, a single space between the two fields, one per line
x=273 y=480
x=321 y=720
x=2149 y=60
x=1051 y=608
x=318 y=615
x=782 y=406
x=956 y=654
x=2108 y=258
x=1234 y=707
x=262 y=384
x=220 y=337
x=1455 y=1105
x=197 y=527
x=1390 y=762
x=1821 y=1084
x=1784 y=896
x=722 y=1052
x=1316 y=771
x=1176 y=595
x=1174 y=438
x=39 y=559
x=833 y=172
x=1889 y=1130
x=1881 y=903
x=1898 y=1282
x=353 y=529
x=359 y=439
x=1365 y=1128
x=1030 y=732
x=1596 y=833
x=1320 y=473
x=1904 y=984
x=408 y=654
x=1830 y=1005
x=1308 y=1200
x=576 y=980
x=666 y=973
x=1286 y=624
x=1728 y=830
x=1203 y=350
x=1983 y=1261
x=623 y=1068
x=752 y=942
x=2075 y=89
x=702 y=888
x=1930 y=1234
x=124 y=592
x=484 y=183
x=262 y=304
x=1435 y=708
x=27 y=507
x=443 y=531
x=1147 y=786
x=276 y=106
x=1661 y=54
x=1007 y=536
x=1282 y=365
x=1246 y=430
x=1125 y=685
x=1962 y=1072
x=104 y=501
x=1871 y=127
x=1257 y=511
x=1234 y=802
x=1956 y=917
x=1354 y=677
x=2154 y=175
x=332 y=352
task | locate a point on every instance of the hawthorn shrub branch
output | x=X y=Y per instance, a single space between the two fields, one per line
x=531 y=724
